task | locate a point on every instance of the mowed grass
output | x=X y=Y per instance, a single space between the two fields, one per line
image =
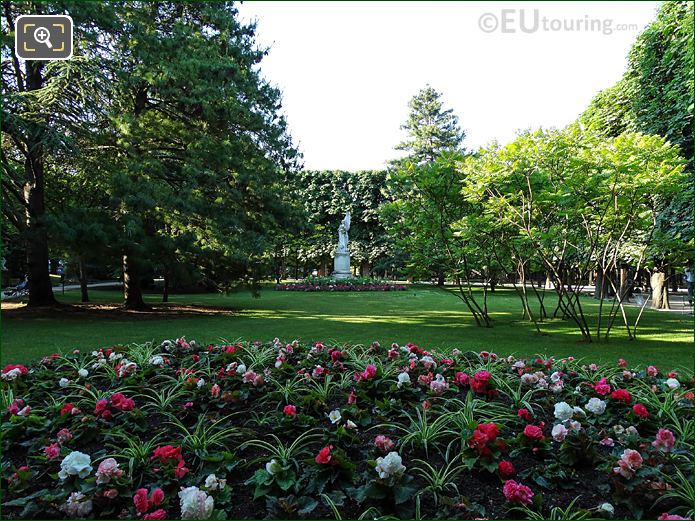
x=430 y=317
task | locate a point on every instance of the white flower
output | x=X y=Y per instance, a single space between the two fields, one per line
x=350 y=424
x=606 y=508
x=63 y=382
x=273 y=467
x=75 y=464
x=596 y=406
x=631 y=431
x=12 y=374
x=195 y=504
x=428 y=361
x=574 y=426
x=83 y=373
x=157 y=360
x=556 y=376
x=578 y=411
x=563 y=411
x=390 y=466
x=559 y=432
x=334 y=416
x=77 y=505
x=542 y=384
x=241 y=369
x=403 y=379
x=529 y=379
x=200 y=383
x=672 y=383
x=213 y=483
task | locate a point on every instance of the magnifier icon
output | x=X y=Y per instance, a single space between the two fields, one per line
x=43 y=35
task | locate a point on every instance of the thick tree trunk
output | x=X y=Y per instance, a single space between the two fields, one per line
x=83 y=281
x=364 y=268
x=440 y=278
x=39 y=284
x=659 y=290
x=132 y=288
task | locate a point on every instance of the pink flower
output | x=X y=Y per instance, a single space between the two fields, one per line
x=52 y=451
x=671 y=517
x=290 y=410
x=215 y=391
x=517 y=493
x=249 y=377
x=121 y=403
x=370 y=371
x=665 y=440
x=352 y=397
x=181 y=470
x=108 y=470
x=622 y=362
x=111 y=493
x=15 y=406
x=462 y=378
x=629 y=462
x=601 y=387
x=607 y=442
x=324 y=456
x=157 y=514
x=24 y=412
x=426 y=404
x=534 y=432
x=64 y=436
x=140 y=501
x=384 y=443
x=652 y=370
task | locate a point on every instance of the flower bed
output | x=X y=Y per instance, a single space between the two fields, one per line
x=180 y=430
x=331 y=284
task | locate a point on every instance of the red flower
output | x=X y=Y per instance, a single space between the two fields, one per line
x=524 y=414
x=167 y=453
x=534 y=433
x=102 y=410
x=482 y=436
x=640 y=410
x=157 y=514
x=181 y=471
x=462 y=378
x=157 y=497
x=324 y=456
x=621 y=395
x=290 y=410
x=140 y=501
x=506 y=469
x=120 y=402
x=67 y=409
x=10 y=367
x=195 y=358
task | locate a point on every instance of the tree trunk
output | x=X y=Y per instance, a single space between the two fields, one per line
x=364 y=268
x=659 y=290
x=83 y=280
x=39 y=284
x=440 y=277
x=165 y=290
x=600 y=285
x=625 y=288
x=674 y=280
x=132 y=288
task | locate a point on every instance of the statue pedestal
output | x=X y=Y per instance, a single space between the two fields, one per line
x=341 y=266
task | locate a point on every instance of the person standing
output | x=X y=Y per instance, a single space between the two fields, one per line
x=689 y=281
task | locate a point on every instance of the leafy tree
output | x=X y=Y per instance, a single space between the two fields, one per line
x=44 y=106
x=431 y=129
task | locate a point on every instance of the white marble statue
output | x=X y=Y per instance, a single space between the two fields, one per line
x=343 y=234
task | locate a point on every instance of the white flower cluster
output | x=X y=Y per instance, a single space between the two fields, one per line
x=596 y=406
x=157 y=360
x=11 y=375
x=403 y=379
x=75 y=464
x=212 y=482
x=195 y=503
x=390 y=466
x=77 y=505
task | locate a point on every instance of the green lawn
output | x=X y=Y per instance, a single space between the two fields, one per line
x=429 y=317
